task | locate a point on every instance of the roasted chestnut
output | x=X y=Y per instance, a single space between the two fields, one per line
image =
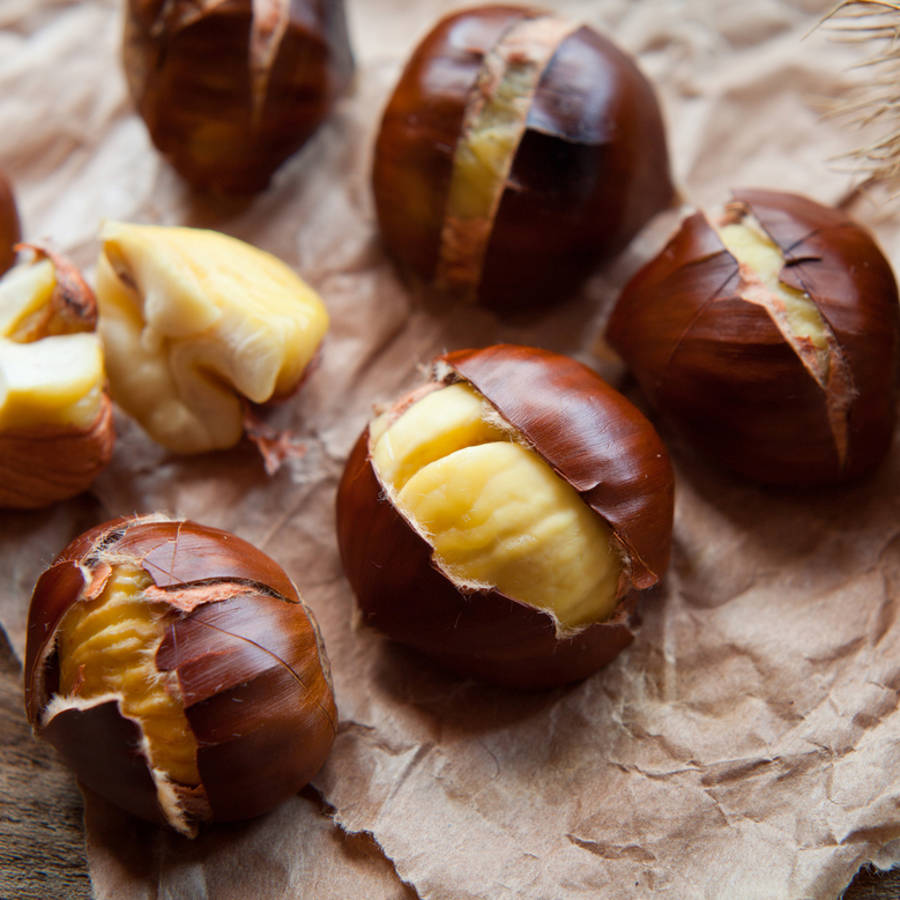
x=10 y=229
x=178 y=673
x=770 y=336
x=195 y=325
x=501 y=517
x=229 y=91
x=518 y=149
x=56 y=427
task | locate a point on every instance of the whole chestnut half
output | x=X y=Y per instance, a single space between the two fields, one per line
x=56 y=420
x=229 y=91
x=178 y=673
x=517 y=151
x=770 y=335
x=501 y=517
x=10 y=228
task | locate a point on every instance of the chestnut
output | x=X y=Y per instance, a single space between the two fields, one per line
x=501 y=517
x=770 y=336
x=229 y=91
x=517 y=150
x=10 y=228
x=177 y=671
x=56 y=426
x=196 y=325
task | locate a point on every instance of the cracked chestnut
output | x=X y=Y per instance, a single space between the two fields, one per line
x=517 y=151
x=769 y=335
x=502 y=517
x=56 y=424
x=178 y=672
x=229 y=91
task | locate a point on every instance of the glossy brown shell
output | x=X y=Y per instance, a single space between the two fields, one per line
x=246 y=652
x=591 y=167
x=10 y=227
x=718 y=366
x=44 y=464
x=592 y=437
x=224 y=122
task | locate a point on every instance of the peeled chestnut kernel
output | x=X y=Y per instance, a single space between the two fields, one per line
x=178 y=672
x=771 y=336
x=10 y=229
x=229 y=91
x=56 y=428
x=517 y=151
x=194 y=325
x=501 y=517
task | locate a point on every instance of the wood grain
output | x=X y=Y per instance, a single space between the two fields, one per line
x=41 y=835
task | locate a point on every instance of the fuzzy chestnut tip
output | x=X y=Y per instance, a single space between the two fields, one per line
x=233 y=710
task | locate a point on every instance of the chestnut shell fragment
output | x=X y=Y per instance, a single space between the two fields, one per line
x=591 y=166
x=250 y=665
x=720 y=369
x=10 y=227
x=229 y=91
x=594 y=439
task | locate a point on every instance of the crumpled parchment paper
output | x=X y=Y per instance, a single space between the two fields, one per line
x=746 y=745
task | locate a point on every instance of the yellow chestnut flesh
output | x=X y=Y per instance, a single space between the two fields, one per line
x=193 y=322
x=46 y=378
x=497 y=514
x=793 y=311
x=56 y=381
x=107 y=645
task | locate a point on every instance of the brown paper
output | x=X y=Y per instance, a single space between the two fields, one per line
x=746 y=745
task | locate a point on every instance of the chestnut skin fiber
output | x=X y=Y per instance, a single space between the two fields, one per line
x=720 y=369
x=10 y=227
x=596 y=441
x=590 y=169
x=250 y=666
x=229 y=91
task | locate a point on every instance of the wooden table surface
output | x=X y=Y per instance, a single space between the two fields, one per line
x=41 y=832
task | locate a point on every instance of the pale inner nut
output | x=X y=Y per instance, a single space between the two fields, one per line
x=107 y=646
x=494 y=122
x=193 y=322
x=494 y=511
x=55 y=380
x=798 y=317
x=794 y=313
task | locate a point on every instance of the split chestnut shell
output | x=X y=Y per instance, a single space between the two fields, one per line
x=787 y=379
x=517 y=151
x=600 y=452
x=157 y=648
x=229 y=91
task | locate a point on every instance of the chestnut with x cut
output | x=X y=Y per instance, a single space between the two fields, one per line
x=771 y=337
x=229 y=90
x=178 y=672
x=501 y=517
x=517 y=151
